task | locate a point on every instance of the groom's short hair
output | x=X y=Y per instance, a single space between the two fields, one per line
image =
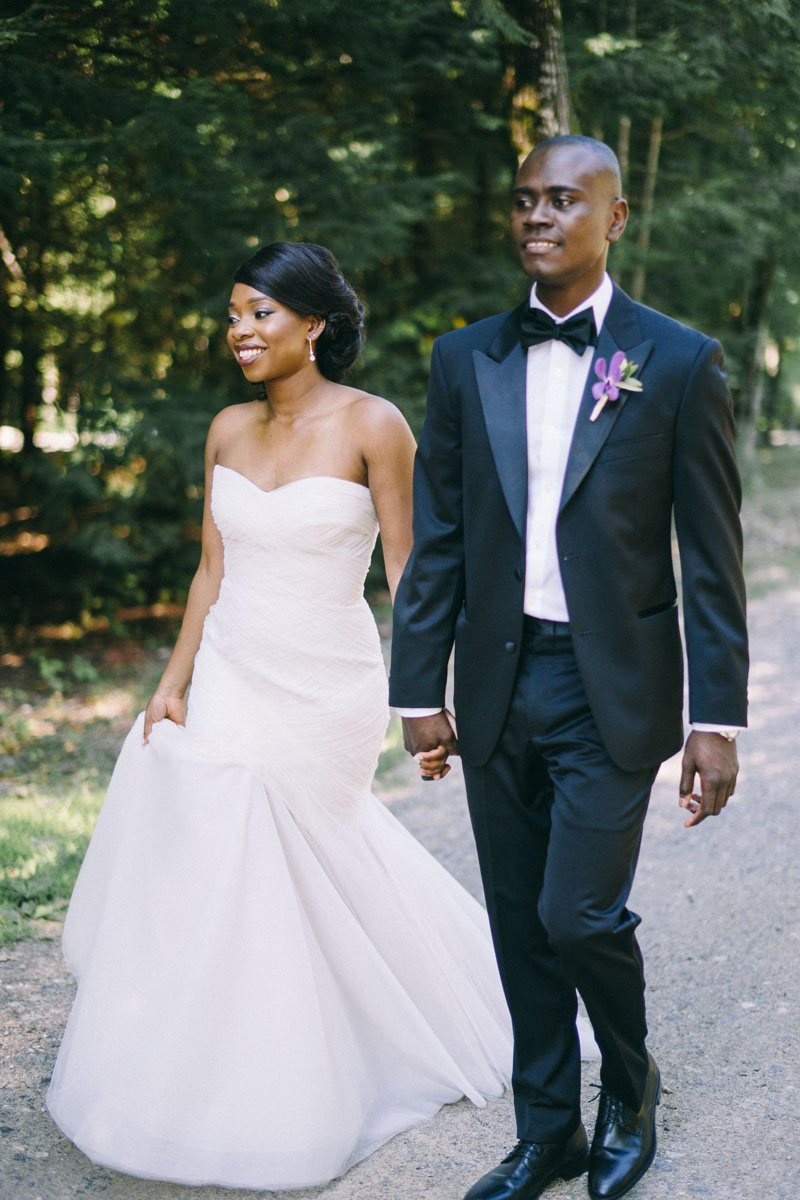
x=601 y=151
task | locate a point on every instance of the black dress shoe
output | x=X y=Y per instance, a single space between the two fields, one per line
x=531 y=1166
x=624 y=1142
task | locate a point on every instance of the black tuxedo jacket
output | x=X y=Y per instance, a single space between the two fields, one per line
x=665 y=451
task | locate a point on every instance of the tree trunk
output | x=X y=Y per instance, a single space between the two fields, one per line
x=631 y=18
x=538 y=75
x=553 y=87
x=751 y=394
x=770 y=406
x=646 y=215
x=624 y=148
x=624 y=155
x=31 y=389
x=5 y=345
x=26 y=314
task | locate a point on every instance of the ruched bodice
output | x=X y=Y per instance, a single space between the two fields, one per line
x=305 y=543
x=291 y=632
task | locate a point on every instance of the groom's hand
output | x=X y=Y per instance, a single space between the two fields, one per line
x=714 y=759
x=431 y=740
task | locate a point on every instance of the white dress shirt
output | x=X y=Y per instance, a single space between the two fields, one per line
x=556 y=378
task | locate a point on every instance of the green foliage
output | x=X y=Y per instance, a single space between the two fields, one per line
x=725 y=80
x=148 y=146
x=58 y=673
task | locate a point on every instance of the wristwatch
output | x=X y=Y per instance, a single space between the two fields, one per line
x=730 y=735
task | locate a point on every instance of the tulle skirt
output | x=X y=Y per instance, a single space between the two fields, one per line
x=262 y=1003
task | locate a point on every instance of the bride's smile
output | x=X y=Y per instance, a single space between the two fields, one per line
x=269 y=340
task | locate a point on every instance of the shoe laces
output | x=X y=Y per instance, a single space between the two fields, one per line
x=612 y=1110
x=532 y=1149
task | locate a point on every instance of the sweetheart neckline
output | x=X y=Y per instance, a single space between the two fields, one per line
x=303 y=479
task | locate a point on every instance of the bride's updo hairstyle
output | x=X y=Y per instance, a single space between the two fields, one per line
x=306 y=278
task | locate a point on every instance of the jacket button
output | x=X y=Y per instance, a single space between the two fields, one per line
x=517 y=573
x=511 y=647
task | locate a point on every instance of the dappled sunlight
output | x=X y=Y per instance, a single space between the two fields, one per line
x=11 y=438
x=58 y=710
x=24 y=542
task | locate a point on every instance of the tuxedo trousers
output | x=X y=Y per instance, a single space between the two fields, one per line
x=558 y=827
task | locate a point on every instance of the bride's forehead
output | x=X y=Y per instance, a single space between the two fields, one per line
x=242 y=294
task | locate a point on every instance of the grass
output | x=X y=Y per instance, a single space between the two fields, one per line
x=43 y=840
x=63 y=714
x=65 y=707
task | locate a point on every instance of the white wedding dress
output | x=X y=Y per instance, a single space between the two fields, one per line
x=274 y=977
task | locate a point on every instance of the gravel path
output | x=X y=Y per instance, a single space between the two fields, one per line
x=721 y=936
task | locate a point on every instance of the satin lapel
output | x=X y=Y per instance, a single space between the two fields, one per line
x=620 y=331
x=502 y=391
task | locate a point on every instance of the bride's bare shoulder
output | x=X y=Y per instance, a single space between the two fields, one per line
x=374 y=414
x=379 y=431
x=233 y=421
x=230 y=426
x=238 y=416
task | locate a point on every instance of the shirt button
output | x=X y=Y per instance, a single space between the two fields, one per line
x=511 y=647
x=517 y=573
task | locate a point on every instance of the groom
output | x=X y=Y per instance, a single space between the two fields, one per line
x=547 y=476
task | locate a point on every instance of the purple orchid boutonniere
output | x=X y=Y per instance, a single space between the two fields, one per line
x=618 y=376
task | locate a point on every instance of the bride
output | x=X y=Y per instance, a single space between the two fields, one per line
x=274 y=977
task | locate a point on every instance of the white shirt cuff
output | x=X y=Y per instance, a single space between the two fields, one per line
x=418 y=712
x=701 y=727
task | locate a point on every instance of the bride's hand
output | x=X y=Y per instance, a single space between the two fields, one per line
x=433 y=763
x=160 y=707
x=431 y=740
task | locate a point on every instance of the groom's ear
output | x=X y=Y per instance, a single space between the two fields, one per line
x=619 y=219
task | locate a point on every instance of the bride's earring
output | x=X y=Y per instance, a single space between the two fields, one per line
x=311 y=355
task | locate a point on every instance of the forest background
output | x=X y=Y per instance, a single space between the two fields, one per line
x=148 y=146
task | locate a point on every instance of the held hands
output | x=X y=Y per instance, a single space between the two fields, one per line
x=714 y=759
x=161 y=706
x=431 y=740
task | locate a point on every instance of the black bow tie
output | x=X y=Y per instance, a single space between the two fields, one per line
x=578 y=332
